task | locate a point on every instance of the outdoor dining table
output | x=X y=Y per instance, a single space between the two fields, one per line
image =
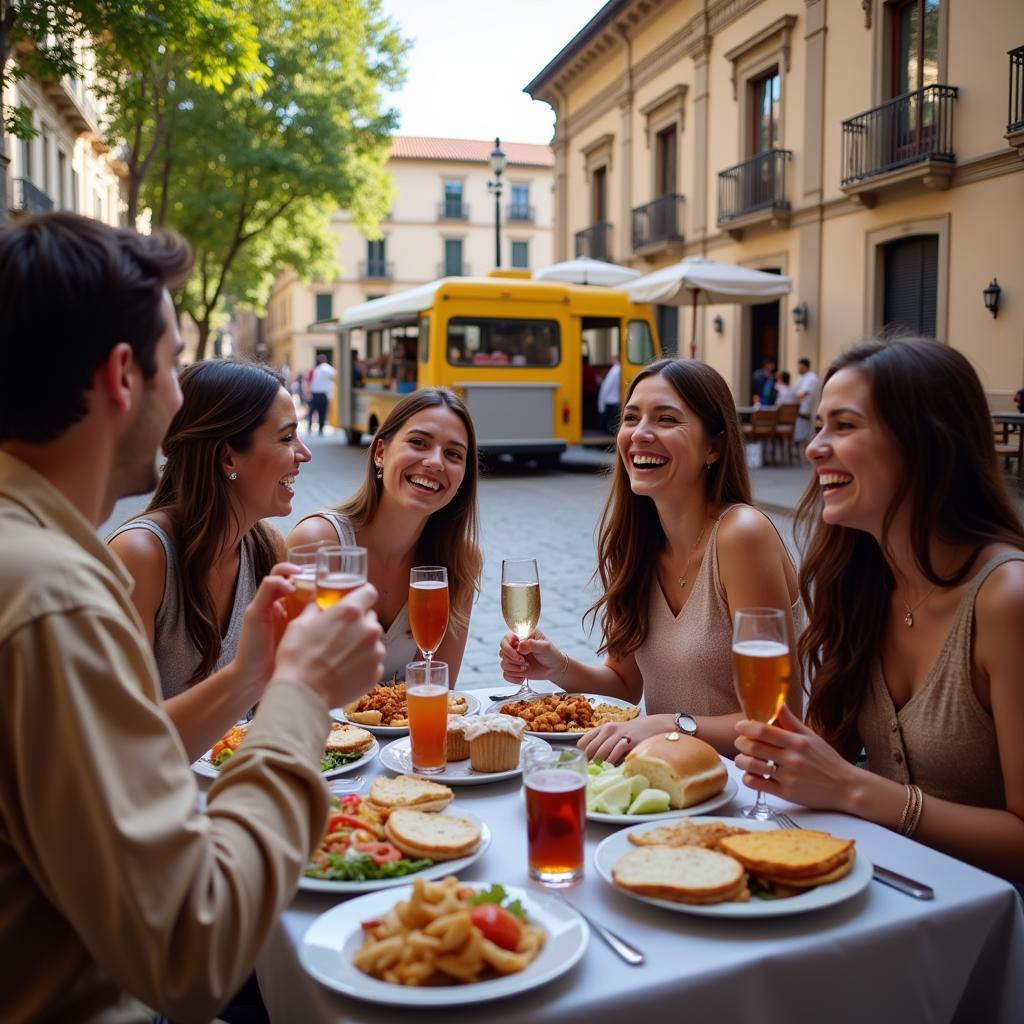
x=880 y=956
x=746 y=411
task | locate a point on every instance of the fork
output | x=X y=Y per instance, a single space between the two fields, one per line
x=618 y=945
x=886 y=876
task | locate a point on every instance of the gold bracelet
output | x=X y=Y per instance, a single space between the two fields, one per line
x=906 y=810
x=915 y=817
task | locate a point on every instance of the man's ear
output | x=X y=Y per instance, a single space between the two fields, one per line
x=116 y=376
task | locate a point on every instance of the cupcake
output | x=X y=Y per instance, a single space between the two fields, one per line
x=494 y=742
x=456 y=746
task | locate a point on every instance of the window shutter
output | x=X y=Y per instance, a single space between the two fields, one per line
x=911 y=284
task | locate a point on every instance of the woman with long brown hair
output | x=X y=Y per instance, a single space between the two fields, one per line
x=417 y=506
x=914 y=584
x=680 y=549
x=200 y=550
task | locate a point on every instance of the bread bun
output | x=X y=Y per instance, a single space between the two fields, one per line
x=686 y=768
x=688 y=874
x=409 y=791
x=435 y=836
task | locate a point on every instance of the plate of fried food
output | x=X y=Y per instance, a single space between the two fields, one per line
x=346 y=748
x=566 y=716
x=732 y=867
x=403 y=828
x=443 y=943
x=384 y=712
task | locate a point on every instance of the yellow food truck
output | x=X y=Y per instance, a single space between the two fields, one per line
x=527 y=357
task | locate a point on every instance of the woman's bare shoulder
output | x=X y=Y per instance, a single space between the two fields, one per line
x=744 y=529
x=310 y=530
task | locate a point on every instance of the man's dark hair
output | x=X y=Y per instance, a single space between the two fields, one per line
x=73 y=288
x=804 y=362
x=784 y=376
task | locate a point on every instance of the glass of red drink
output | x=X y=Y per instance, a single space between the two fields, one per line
x=426 y=695
x=555 y=783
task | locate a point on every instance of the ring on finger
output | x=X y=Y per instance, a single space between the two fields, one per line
x=772 y=768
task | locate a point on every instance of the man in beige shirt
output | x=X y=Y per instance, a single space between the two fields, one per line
x=116 y=894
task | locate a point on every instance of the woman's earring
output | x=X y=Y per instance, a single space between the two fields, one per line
x=232 y=475
x=380 y=471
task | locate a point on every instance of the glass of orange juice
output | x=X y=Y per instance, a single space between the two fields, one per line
x=304 y=556
x=426 y=694
x=339 y=571
x=428 y=607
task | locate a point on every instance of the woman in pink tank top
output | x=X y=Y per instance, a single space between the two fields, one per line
x=680 y=550
x=913 y=579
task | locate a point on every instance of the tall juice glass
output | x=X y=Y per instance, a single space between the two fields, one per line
x=426 y=694
x=428 y=607
x=339 y=571
x=304 y=556
x=555 y=783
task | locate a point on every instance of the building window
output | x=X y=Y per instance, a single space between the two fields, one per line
x=453 y=206
x=62 y=180
x=44 y=142
x=453 y=257
x=521 y=254
x=765 y=112
x=324 y=306
x=599 y=195
x=519 y=202
x=75 y=187
x=376 y=258
x=915 y=45
x=912 y=284
x=26 y=158
x=665 y=161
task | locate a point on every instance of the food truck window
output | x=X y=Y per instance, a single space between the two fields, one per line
x=480 y=341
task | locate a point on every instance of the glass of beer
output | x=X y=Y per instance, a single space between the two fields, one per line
x=304 y=556
x=426 y=695
x=555 y=784
x=520 y=605
x=339 y=571
x=428 y=607
x=761 y=667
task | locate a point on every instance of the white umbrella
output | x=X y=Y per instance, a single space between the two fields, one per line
x=584 y=270
x=685 y=283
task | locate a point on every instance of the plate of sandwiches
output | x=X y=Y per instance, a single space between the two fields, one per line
x=667 y=776
x=346 y=748
x=383 y=711
x=403 y=829
x=566 y=716
x=732 y=867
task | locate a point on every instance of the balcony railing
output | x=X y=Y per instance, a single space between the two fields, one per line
x=519 y=213
x=1015 y=116
x=384 y=269
x=595 y=241
x=453 y=268
x=658 y=221
x=909 y=129
x=452 y=209
x=756 y=184
x=29 y=198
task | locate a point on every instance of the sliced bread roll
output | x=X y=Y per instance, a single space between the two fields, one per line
x=789 y=853
x=684 y=874
x=810 y=882
x=437 y=836
x=409 y=791
x=686 y=768
x=347 y=739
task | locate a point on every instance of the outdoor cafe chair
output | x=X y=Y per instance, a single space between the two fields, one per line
x=785 y=429
x=761 y=428
x=1009 y=444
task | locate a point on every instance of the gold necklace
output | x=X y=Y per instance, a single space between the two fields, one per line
x=683 y=580
x=909 y=617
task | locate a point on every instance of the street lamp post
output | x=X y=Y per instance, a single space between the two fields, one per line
x=498 y=161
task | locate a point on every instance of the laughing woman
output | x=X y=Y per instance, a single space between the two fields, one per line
x=680 y=550
x=417 y=506
x=201 y=557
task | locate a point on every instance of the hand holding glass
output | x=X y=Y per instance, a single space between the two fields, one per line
x=520 y=604
x=304 y=556
x=426 y=695
x=428 y=607
x=339 y=571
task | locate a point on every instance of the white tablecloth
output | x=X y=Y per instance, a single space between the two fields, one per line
x=879 y=957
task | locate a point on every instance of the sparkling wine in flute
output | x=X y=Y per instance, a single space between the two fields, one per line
x=761 y=669
x=332 y=587
x=520 y=605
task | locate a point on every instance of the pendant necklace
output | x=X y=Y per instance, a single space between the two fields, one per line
x=683 y=580
x=909 y=617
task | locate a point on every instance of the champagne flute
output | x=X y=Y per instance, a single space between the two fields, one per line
x=428 y=607
x=339 y=571
x=760 y=663
x=520 y=605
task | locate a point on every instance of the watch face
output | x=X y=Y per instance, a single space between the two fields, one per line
x=686 y=724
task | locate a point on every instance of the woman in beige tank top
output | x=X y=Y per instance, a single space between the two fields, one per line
x=680 y=549
x=914 y=583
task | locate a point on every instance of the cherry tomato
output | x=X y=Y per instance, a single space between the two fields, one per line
x=497 y=924
x=351 y=802
x=382 y=853
x=337 y=821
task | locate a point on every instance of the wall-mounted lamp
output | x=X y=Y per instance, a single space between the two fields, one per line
x=800 y=316
x=718 y=324
x=992 y=293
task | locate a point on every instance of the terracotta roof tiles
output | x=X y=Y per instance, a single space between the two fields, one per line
x=475 y=151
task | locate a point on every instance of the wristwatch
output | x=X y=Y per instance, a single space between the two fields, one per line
x=686 y=724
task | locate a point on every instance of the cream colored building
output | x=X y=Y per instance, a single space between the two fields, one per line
x=442 y=224
x=865 y=149
x=68 y=165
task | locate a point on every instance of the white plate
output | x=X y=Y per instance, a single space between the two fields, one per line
x=397 y=757
x=711 y=804
x=205 y=767
x=327 y=948
x=593 y=698
x=438 y=870
x=472 y=707
x=606 y=855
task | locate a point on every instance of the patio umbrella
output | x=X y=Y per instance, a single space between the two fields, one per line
x=584 y=270
x=685 y=283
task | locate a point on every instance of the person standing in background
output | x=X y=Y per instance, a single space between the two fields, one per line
x=321 y=384
x=785 y=394
x=608 y=398
x=807 y=387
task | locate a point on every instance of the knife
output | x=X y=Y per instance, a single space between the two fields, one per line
x=918 y=890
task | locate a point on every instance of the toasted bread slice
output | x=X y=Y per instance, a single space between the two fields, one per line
x=687 y=874
x=686 y=832
x=410 y=791
x=347 y=739
x=364 y=717
x=788 y=854
x=841 y=871
x=437 y=836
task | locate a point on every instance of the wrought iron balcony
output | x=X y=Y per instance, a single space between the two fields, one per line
x=1015 y=115
x=658 y=222
x=915 y=128
x=453 y=268
x=755 y=187
x=452 y=209
x=519 y=213
x=383 y=269
x=595 y=241
x=29 y=198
